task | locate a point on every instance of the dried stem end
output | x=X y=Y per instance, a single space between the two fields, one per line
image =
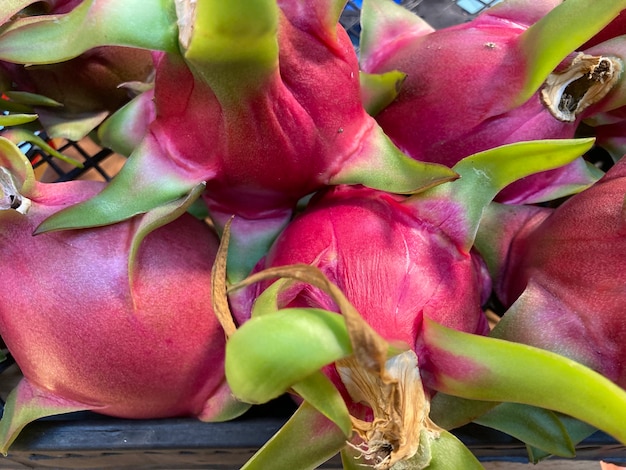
x=584 y=82
x=219 y=297
x=400 y=409
x=10 y=198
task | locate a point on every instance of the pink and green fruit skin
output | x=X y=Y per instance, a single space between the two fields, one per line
x=391 y=263
x=566 y=275
x=263 y=151
x=82 y=331
x=463 y=92
x=433 y=119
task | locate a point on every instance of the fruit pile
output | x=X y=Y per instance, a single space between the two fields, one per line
x=296 y=218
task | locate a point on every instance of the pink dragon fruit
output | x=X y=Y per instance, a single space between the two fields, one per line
x=388 y=259
x=403 y=263
x=91 y=330
x=393 y=264
x=514 y=73
x=560 y=273
x=247 y=108
x=563 y=274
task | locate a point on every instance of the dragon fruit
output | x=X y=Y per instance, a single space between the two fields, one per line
x=573 y=308
x=404 y=264
x=386 y=256
x=514 y=73
x=96 y=326
x=244 y=105
x=388 y=259
x=562 y=274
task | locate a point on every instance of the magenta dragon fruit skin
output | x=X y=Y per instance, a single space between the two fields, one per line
x=259 y=140
x=393 y=266
x=84 y=332
x=293 y=122
x=390 y=263
x=405 y=265
x=564 y=279
x=398 y=258
x=462 y=91
x=433 y=120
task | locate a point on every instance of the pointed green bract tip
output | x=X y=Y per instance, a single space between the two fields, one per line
x=379 y=90
x=507 y=163
x=46 y=39
x=124 y=130
x=114 y=204
x=148 y=180
x=27 y=403
x=70 y=126
x=31 y=99
x=485 y=174
x=559 y=33
x=381 y=165
x=483 y=368
x=156 y=218
x=16 y=119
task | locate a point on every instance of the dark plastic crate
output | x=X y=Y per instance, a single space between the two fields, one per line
x=89 y=441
